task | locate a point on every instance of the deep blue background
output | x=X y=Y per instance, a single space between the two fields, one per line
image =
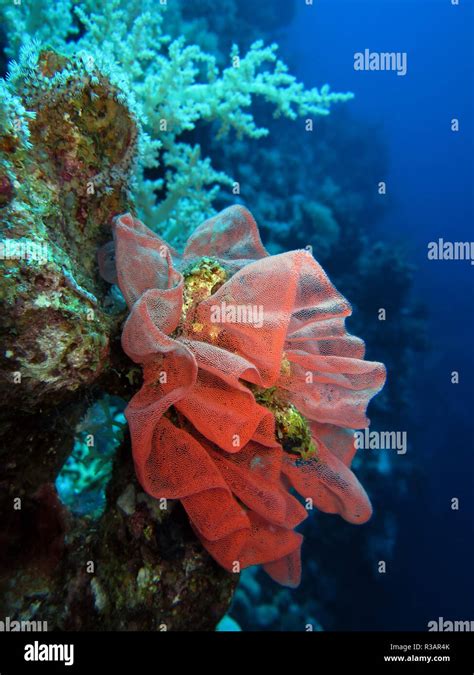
x=431 y=186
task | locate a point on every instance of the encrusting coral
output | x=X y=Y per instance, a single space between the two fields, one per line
x=200 y=434
x=68 y=143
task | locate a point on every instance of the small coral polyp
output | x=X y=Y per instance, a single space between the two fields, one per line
x=234 y=419
x=292 y=430
x=201 y=280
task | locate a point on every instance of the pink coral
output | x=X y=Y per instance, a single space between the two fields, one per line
x=214 y=422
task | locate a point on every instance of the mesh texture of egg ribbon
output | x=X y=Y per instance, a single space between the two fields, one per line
x=198 y=433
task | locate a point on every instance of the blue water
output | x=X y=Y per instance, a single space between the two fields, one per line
x=431 y=187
